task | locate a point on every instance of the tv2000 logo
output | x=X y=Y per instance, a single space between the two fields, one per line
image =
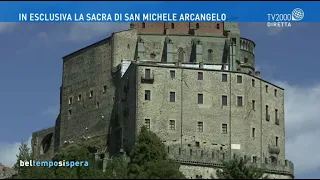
x=283 y=20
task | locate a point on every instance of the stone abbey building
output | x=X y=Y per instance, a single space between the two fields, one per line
x=193 y=84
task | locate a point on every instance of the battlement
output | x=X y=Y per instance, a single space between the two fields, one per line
x=208 y=157
x=247 y=45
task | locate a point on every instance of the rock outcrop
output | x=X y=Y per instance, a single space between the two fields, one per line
x=6 y=172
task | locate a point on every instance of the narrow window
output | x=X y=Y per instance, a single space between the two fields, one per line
x=267 y=113
x=276 y=116
x=147 y=95
x=180 y=55
x=277 y=141
x=190 y=152
x=147 y=123
x=91 y=94
x=172 y=124
x=245 y=60
x=224 y=100
x=104 y=89
x=253 y=83
x=275 y=93
x=197 y=26
x=239 y=79
x=70 y=100
x=172 y=25
x=253 y=132
x=172 y=96
x=143 y=25
x=267 y=88
x=70 y=112
x=173 y=74
x=224 y=77
x=200 y=98
x=200 y=75
x=147 y=73
x=79 y=97
x=98 y=105
x=200 y=126
x=224 y=128
x=239 y=100
x=210 y=55
x=218 y=26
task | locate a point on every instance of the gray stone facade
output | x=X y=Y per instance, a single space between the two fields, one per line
x=193 y=84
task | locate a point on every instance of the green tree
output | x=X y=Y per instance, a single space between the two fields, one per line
x=29 y=172
x=239 y=169
x=76 y=152
x=116 y=168
x=149 y=159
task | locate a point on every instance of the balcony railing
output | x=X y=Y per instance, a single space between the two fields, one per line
x=149 y=79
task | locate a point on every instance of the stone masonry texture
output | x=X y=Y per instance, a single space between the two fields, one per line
x=193 y=84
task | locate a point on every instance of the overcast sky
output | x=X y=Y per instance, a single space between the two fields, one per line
x=31 y=69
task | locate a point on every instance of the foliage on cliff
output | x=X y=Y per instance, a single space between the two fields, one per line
x=239 y=169
x=147 y=160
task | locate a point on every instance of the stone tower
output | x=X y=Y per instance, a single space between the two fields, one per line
x=193 y=84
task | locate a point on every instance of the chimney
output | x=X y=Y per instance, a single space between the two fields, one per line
x=257 y=74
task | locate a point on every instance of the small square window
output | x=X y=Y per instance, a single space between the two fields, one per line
x=79 y=97
x=172 y=124
x=104 y=89
x=224 y=78
x=172 y=96
x=224 y=100
x=239 y=79
x=224 y=128
x=245 y=60
x=253 y=83
x=239 y=100
x=173 y=74
x=200 y=126
x=147 y=123
x=200 y=98
x=254 y=159
x=200 y=75
x=147 y=95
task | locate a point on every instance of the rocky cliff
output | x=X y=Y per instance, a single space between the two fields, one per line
x=6 y=172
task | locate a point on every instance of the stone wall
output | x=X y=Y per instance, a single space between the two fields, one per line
x=247 y=129
x=87 y=92
x=43 y=143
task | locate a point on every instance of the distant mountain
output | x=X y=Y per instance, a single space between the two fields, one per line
x=6 y=172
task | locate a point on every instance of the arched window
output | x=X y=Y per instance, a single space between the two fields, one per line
x=180 y=55
x=210 y=55
x=172 y=25
x=197 y=26
x=218 y=26
x=143 y=25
